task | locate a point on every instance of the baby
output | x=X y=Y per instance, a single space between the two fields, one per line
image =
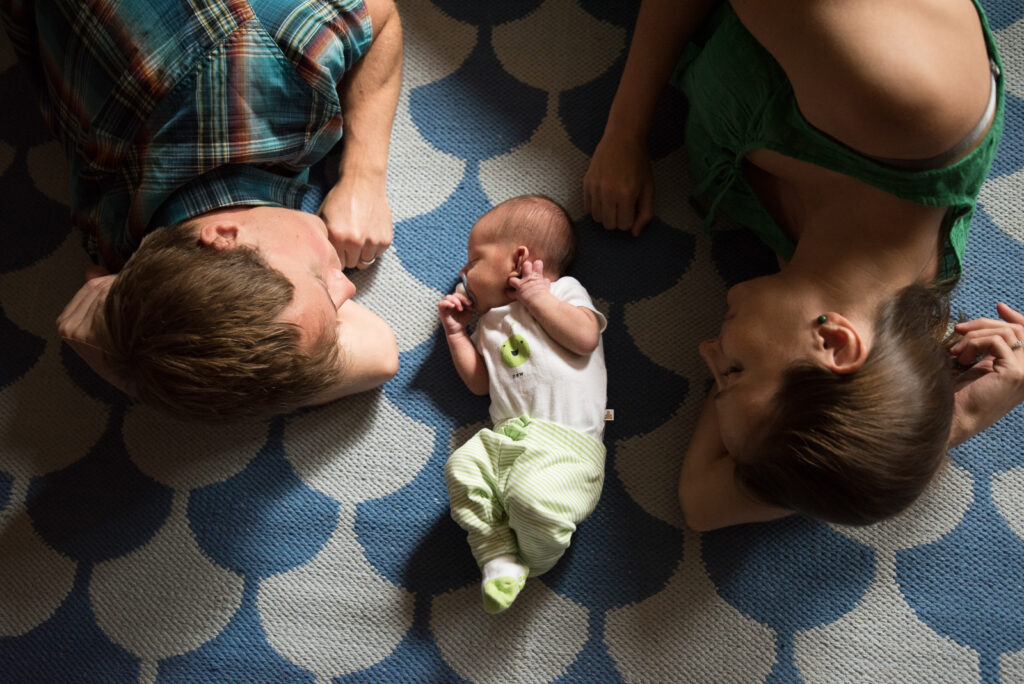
x=520 y=488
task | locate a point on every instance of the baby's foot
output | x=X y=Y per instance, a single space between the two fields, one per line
x=503 y=579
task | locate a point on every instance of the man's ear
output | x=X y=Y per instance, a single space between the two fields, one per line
x=842 y=345
x=219 y=234
x=519 y=257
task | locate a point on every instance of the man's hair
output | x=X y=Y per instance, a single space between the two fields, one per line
x=197 y=331
x=545 y=227
x=860 y=447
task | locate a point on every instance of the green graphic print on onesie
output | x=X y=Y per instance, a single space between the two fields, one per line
x=515 y=351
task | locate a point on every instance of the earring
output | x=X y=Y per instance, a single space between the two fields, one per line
x=822 y=318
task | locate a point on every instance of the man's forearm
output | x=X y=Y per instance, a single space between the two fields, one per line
x=369 y=96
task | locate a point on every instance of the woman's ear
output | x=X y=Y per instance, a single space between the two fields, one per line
x=844 y=347
x=219 y=234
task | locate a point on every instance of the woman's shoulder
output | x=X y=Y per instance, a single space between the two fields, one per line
x=897 y=80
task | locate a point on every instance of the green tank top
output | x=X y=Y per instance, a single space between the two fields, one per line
x=740 y=100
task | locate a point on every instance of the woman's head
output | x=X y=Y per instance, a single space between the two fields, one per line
x=854 y=444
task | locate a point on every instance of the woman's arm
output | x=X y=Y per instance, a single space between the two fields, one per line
x=708 y=491
x=900 y=80
x=618 y=188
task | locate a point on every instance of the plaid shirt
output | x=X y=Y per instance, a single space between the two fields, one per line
x=170 y=109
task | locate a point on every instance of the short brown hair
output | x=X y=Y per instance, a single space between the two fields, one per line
x=196 y=331
x=543 y=224
x=859 y=448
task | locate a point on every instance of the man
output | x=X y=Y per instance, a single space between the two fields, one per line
x=189 y=129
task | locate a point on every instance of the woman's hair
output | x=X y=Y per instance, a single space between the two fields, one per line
x=197 y=331
x=544 y=225
x=860 y=447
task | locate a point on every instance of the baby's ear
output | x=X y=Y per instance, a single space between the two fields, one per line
x=520 y=256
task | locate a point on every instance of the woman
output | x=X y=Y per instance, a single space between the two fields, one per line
x=851 y=137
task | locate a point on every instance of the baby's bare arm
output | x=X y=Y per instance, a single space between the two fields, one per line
x=574 y=327
x=455 y=311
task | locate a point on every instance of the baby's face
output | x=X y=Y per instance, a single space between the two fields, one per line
x=491 y=260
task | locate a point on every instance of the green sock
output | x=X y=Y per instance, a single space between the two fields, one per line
x=503 y=580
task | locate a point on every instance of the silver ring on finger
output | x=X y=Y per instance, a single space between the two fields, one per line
x=365 y=262
x=1017 y=345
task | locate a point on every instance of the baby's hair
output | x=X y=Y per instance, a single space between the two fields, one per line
x=545 y=227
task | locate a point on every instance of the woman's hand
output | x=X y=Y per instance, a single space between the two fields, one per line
x=618 y=187
x=994 y=385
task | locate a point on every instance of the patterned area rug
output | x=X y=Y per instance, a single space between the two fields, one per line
x=317 y=546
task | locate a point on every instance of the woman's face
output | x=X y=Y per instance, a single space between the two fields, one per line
x=767 y=328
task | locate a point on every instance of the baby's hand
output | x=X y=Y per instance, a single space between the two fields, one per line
x=531 y=284
x=456 y=312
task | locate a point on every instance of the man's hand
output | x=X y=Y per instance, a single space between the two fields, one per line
x=356 y=209
x=531 y=285
x=81 y=322
x=358 y=219
x=994 y=385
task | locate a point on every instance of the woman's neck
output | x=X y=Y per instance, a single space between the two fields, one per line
x=859 y=260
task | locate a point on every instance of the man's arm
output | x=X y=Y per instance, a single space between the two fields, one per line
x=369 y=353
x=356 y=209
x=708 y=491
x=81 y=322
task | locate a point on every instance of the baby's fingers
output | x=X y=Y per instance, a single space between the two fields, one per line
x=450 y=303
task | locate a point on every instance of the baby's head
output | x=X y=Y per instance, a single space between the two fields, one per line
x=524 y=228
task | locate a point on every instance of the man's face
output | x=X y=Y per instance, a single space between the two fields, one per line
x=295 y=243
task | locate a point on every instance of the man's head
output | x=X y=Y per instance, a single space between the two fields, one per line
x=527 y=227
x=229 y=315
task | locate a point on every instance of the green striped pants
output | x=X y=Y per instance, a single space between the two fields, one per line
x=522 y=488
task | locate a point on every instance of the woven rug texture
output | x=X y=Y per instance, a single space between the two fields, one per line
x=318 y=546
